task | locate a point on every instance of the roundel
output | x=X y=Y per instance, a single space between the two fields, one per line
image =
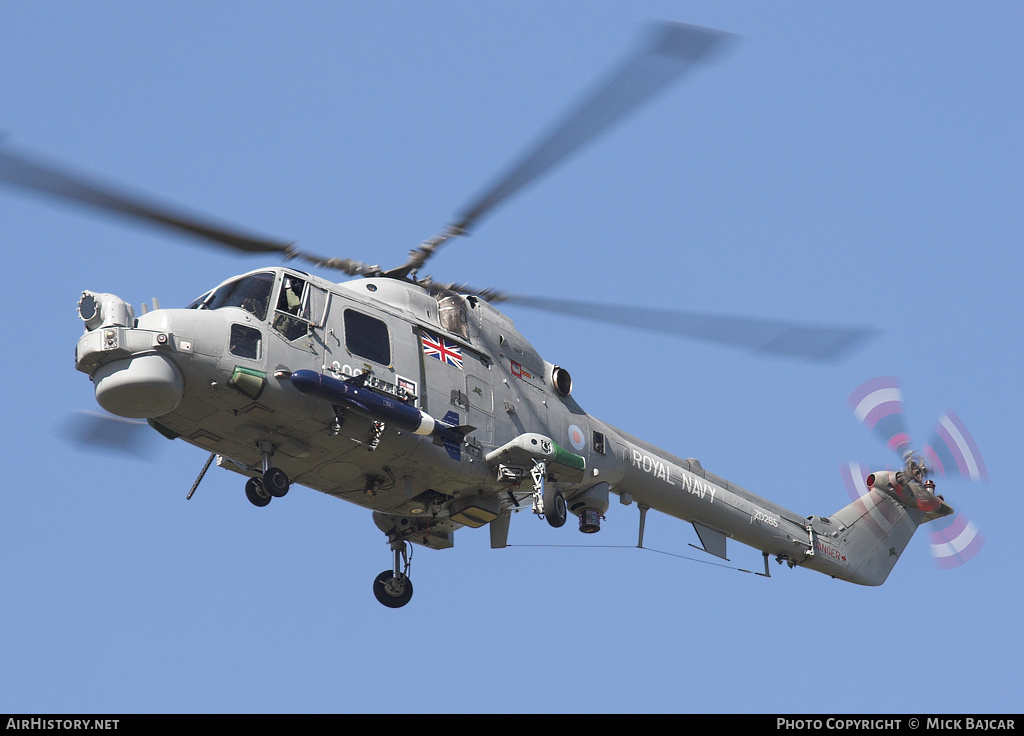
x=576 y=437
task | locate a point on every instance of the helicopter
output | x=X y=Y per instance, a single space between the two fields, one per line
x=420 y=401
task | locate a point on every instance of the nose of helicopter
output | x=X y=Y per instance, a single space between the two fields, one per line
x=139 y=387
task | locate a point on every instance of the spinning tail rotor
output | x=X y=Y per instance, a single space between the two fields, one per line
x=878 y=405
x=951 y=452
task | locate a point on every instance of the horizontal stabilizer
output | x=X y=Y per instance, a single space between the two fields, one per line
x=712 y=539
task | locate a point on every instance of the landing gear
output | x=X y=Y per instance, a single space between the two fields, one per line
x=273 y=483
x=276 y=482
x=256 y=492
x=393 y=588
x=547 y=501
x=555 y=510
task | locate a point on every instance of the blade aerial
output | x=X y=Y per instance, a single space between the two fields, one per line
x=36 y=176
x=788 y=339
x=669 y=50
x=667 y=53
x=108 y=434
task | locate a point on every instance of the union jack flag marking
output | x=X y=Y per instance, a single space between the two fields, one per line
x=441 y=349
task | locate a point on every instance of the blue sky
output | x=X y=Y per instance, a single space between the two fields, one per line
x=845 y=164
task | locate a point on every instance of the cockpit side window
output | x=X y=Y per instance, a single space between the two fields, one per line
x=300 y=307
x=251 y=293
x=289 y=300
x=287 y=317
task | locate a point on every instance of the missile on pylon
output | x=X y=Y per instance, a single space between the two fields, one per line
x=352 y=393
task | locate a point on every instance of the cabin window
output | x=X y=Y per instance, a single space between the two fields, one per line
x=251 y=293
x=367 y=337
x=245 y=342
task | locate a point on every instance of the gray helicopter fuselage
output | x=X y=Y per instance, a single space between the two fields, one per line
x=217 y=376
x=427 y=406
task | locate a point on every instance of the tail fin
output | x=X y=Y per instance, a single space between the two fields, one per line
x=877 y=530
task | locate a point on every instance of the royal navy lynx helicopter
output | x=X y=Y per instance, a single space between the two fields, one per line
x=421 y=401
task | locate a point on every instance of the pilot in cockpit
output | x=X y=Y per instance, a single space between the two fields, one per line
x=291 y=295
x=289 y=303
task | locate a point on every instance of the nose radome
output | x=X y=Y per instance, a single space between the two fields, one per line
x=139 y=387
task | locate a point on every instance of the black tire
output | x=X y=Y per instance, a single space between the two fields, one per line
x=554 y=508
x=276 y=482
x=256 y=493
x=391 y=593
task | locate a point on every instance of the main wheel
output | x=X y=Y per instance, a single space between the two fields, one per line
x=276 y=482
x=554 y=508
x=393 y=592
x=256 y=492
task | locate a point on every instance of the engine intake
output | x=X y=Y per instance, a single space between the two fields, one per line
x=886 y=481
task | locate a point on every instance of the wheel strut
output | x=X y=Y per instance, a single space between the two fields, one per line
x=274 y=479
x=393 y=588
x=548 y=501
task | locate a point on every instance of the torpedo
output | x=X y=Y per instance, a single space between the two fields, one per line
x=353 y=394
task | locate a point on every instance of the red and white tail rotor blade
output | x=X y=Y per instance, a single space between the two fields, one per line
x=952 y=452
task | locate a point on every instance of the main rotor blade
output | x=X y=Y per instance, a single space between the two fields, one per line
x=42 y=178
x=107 y=434
x=669 y=50
x=36 y=176
x=789 y=339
